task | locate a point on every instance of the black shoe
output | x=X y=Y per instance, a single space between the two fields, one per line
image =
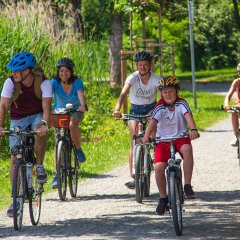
x=162 y=206
x=188 y=192
x=41 y=175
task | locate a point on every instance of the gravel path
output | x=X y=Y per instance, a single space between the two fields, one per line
x=105 y=209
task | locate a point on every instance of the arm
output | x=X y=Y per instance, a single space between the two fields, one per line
x=5 y=102
x=192 y=126
x=121 y=98
x=229 y=95
x=150 y=129
x=82 y=100
x=46 y=105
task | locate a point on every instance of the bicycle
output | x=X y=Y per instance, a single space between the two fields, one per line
x=175 y=186
x=142 y=157
x=67 y=165
x=236 y=110
x=25 y=187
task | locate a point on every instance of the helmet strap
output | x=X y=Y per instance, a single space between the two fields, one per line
x=142 y=75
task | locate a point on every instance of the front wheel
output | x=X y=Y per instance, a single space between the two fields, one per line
x=18 y=192
x=61 y=156
x=175 y=203
x=35 y=198
x=147 y=177
x=73 y=173
x=139 y=178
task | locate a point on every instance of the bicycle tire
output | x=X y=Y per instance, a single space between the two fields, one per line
x=139 y=179
x=73 y=173
x=18 y=193
x=175 y=203
x=61 y=170
x=147 y=178
x=35 y=199
x=238 y=145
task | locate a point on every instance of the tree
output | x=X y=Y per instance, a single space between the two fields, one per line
x=236 y=12
x=115 y=45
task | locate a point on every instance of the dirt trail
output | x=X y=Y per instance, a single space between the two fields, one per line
x=105 y=209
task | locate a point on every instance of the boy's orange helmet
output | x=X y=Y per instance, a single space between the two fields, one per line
x=169 y=81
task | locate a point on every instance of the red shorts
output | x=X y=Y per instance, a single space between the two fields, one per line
x=162 y=150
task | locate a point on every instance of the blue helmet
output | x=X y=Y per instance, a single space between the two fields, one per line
x=22 y=61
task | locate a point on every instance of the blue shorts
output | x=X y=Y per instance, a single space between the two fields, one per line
x=23 y=123
x=141 y=109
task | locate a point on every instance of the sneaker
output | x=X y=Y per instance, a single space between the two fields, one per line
x=41 y=175
x=10 y=211
x=162 y=206
x=234 y=142
x=80 y=155
x=130 y=184
x=54 y=183
x=188 y=192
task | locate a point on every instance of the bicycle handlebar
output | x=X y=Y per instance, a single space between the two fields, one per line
x=160 y=139
x=17 y=131
x=128 y=116
x=232 y=109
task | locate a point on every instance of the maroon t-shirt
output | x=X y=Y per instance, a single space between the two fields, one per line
x=27 y=103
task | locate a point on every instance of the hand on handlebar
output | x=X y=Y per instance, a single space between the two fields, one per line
x=2 y=133
x=117 y=114
x=193 y=135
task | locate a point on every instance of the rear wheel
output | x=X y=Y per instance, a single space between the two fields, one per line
x=139 y=178
x=61 y=170
x=19 y=184
x=175 y=204
x=73 y=173
x=35 y=198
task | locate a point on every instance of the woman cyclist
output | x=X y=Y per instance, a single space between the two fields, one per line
x=68 y=88
x=235 y=86
x=142 y=86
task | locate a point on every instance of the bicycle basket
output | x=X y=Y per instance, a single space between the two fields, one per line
x=59 y=121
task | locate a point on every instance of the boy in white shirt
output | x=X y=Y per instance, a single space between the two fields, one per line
x=172 y=116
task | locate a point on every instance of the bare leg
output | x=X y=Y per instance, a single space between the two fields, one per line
x=235 y=123
x=40 y=148
x=132 y=126
x=161 y=179
x=188 y=162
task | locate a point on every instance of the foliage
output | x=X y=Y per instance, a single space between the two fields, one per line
x=216 y=35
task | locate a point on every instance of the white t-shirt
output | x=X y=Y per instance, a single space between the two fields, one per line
x=8 y=89
x=171 y=123
x=142 y=94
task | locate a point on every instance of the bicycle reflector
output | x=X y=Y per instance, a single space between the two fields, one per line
x=59 y=121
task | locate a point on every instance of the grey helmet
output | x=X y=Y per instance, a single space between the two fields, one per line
x=66 y=62
x=143 y=56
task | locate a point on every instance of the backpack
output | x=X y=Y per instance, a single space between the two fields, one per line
x=38 y=78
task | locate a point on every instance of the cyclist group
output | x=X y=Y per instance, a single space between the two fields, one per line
x=29 y=95
x=170 y=117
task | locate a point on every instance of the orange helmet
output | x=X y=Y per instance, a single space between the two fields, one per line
x=169 y=81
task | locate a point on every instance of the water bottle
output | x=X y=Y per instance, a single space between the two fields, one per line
x=29 y=170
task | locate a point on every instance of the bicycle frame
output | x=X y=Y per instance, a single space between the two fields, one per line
x=24 y=188
x=66 y=164
x=174 y=182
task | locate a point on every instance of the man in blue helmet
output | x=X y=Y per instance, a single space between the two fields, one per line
x=28 y=108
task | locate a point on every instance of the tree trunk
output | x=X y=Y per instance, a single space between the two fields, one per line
x=78 y=22
x=236 y=12
x=115 y=45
